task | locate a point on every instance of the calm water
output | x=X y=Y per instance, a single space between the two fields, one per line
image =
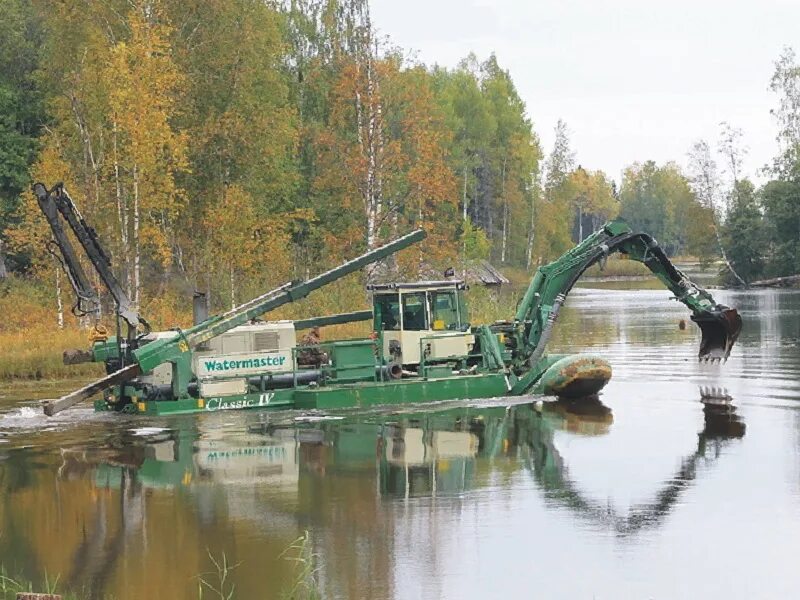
x=647 y=495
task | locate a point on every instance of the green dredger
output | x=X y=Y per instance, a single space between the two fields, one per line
x=423 y=348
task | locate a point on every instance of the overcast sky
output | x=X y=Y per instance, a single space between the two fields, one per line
x=634 y=80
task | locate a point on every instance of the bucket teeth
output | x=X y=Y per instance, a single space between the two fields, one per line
x=720 y=328
x=713 y=359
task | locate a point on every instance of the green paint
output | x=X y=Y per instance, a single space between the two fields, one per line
x=336 y=396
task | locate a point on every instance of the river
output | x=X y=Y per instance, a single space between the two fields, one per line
x=650 y=493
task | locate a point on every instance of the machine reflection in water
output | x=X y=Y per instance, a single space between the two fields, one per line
x=721 y=424
x=420 y=453
x=268 y=473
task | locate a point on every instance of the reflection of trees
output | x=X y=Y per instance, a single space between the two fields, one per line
x=339 y=504
x=99 y=551
x=588 y=319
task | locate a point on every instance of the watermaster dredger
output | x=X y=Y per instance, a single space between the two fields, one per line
x=424 y=347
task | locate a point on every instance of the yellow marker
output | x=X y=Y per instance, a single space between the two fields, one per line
x=200 y=403
x=142 y=406
x=98 y=334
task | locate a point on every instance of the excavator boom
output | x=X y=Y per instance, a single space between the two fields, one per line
x=538 y=310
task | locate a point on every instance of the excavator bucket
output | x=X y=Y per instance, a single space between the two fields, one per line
x=721 y=328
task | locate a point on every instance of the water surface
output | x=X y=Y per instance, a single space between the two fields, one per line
x=650 y=493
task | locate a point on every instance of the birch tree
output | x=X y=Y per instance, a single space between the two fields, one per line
x=143 y=82
x=785 y=83
x=704 y=179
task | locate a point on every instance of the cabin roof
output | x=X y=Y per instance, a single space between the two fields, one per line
x=474 y=272
x=417 y=285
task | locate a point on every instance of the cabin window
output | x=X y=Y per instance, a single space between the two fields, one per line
x=445 y=310
x=415 y=316
x=387 y=311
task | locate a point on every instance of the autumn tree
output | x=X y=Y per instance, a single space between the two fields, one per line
x=590 y=197
x=468 y=117
x=32 y=235
x=554 y=214
x=399 y=183
x=143 y=82
x=240 y=243
x=561 y=160
x=514 y=156
x=704 y=179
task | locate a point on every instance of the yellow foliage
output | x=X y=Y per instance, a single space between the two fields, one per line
x=143 y=81
x=553 y=231
x=250 y=251
x=591 y=192
x=32 y=233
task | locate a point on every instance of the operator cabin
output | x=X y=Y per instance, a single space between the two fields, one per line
x=426 y=319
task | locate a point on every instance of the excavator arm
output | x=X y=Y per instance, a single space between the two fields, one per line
x=87 y=301
x=538 y=310
x=56 y=201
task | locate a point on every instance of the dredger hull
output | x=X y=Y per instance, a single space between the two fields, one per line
x=572 y=376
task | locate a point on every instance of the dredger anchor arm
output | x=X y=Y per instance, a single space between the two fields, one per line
x=52 y=407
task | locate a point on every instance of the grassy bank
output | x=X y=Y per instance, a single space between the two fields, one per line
x=35 y=353
x=618 y=267
x=10 y=586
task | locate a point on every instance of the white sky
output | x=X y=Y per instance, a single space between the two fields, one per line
x=634 y=80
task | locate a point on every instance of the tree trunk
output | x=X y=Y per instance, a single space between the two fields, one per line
x=531 y=238
x=3 y=271
x=504 y=244
x=724 y=255
x=373 y=143
x=777 y=281
x=122 y=215
x=136 y=249
x=233 y=289
x=464 y=219
x=59 y=303
x=464 y=197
